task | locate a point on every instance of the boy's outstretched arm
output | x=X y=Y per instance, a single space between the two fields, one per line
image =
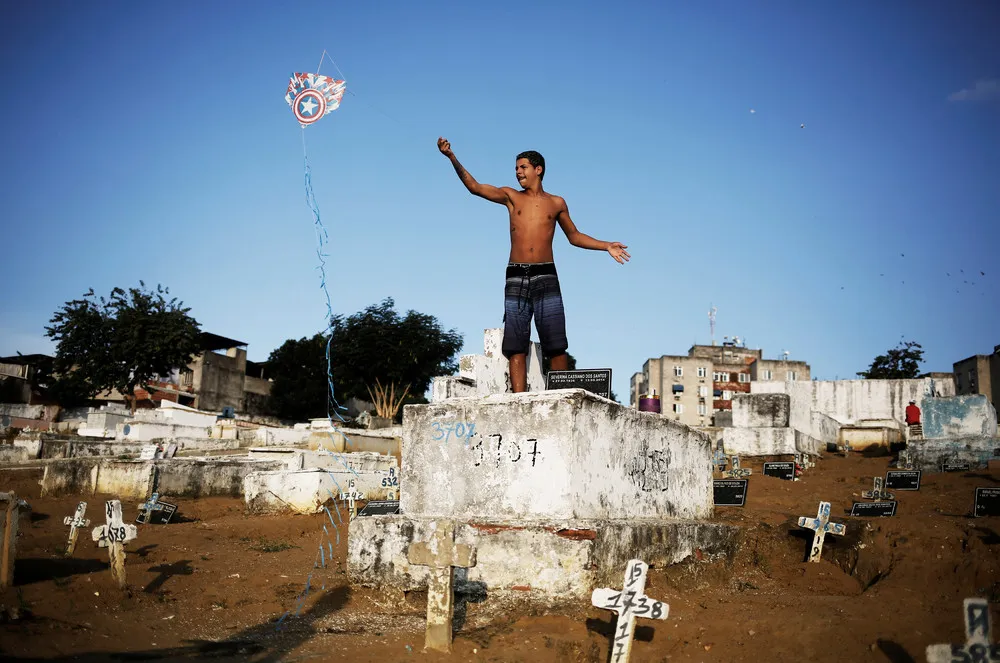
x=491 y=193
x=577 y=238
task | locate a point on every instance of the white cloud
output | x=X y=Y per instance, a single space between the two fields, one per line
x=987 y=88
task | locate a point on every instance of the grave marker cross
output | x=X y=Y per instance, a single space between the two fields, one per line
x=147 y=508
x=76 y=522
x=441 y=553
x=629 y=603
x=977 y=645
x=878 y=492
x=822 y=526
x=114 y=535
x=737 y=472
x=351 y=495
x=719 y=459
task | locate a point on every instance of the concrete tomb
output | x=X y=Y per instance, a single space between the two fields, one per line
x=978 y=644
x=76 y=522
x=440 y=554
x=113 y=535
x=958 y=430
x=489 y=373
x=630 y=602
x=554 y=489
x=822 y=526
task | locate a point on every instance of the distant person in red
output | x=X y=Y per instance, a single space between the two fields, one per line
x=912 y=414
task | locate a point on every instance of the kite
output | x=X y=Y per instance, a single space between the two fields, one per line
x=312 y=96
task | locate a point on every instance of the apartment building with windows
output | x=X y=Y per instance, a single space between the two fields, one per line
x=695 y=387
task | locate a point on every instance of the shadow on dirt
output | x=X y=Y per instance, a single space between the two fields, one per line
x=264 y=643
x=894 y=652
x=32 y=570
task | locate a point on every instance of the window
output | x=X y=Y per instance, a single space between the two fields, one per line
x=744 y=377
x=727 y=395
x=678 y=371
x=187 y=379
x=702 y=409
x=703 y=391
x=766 y=374
x=792 y=375
x=679 y=408
x=702 y=371
x=677 y=388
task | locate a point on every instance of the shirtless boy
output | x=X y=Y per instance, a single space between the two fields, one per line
x=532 y=286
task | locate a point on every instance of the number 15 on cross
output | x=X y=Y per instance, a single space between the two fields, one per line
x=629 y=603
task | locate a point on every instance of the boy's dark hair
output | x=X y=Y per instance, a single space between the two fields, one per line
x=535 y=159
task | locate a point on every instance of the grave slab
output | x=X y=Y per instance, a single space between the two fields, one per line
x=930 y=454
x=760 y=441
x=556 y=454
x=306 y=491
x=554 y=559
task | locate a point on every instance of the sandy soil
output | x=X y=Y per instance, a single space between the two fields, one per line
x=215 y=584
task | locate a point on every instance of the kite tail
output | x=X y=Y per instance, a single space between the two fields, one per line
x=322 y=237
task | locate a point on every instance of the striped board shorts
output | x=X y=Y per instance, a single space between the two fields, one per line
x=532 y=290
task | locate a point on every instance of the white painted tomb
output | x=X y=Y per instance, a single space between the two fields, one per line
x=488 y=373
x=556 y=490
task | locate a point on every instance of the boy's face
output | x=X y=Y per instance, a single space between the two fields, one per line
x=525 y=173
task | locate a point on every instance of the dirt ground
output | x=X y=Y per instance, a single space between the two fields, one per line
x=215 y=584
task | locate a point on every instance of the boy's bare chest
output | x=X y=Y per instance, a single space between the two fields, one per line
x=533 y=212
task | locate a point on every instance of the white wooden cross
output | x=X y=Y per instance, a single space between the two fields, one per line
x=629 y=603
x=114 y=535
x=735 y=471
x=977 y=645
x=441 y=553
x=352 y=494
x=76 y=522
x=904 y=462
x=878 y=492
x=822 y=526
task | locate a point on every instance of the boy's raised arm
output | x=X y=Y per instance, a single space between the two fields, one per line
x=489 y=192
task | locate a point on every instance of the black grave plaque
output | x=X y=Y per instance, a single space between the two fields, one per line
x=594 y=380
x=987 y=502
x=161 y=515
x=380 y=508
x=873 y=509
x=902 y=479
x=780 y=470
x=730 y=492
x=955 y=467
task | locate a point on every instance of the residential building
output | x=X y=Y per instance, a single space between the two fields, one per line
x=218 y=377
x=979 y=374
x=16 y=376
x=697 y=388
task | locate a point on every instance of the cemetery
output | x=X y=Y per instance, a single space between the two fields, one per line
x=552 y=525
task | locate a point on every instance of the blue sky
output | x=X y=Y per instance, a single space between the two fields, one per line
x=152 y=141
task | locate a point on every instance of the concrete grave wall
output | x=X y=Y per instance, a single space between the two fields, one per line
x=178 y=477
x=554 y=454
x=544 y=559
x=759 y=441
x=869 y=438
x=306 y=491
x=761 y=410
x=848 y=401
x=929 y=455
x=958 y=416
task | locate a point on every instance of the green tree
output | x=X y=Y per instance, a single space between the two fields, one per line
x=298 y=370
x=901 y=362
x=374 y=344
x=121 y=342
